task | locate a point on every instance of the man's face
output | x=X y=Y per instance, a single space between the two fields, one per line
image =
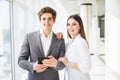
x=47 y=22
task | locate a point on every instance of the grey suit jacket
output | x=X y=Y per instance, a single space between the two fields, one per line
x=32 y=49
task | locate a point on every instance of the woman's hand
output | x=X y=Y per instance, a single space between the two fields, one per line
x=64 y=60
x=69 y=64
x=59 y=35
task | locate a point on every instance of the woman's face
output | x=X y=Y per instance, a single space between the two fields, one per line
x=73 y=27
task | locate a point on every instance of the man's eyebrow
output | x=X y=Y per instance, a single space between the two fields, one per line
x=50 y=17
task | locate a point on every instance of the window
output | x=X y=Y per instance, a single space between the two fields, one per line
x=5 y=53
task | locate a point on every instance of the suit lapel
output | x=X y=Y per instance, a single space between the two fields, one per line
x=40 y=44
x=54 y=40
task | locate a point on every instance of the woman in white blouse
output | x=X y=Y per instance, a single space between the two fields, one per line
x=77 y=58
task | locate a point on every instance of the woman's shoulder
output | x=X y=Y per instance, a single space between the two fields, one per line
x=82 y=41
x=68 y=40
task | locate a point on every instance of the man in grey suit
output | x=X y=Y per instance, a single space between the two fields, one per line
x=41 y=44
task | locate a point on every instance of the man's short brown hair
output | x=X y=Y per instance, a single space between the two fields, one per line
x=47 y=10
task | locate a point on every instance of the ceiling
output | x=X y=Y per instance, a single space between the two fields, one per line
x=73 y=6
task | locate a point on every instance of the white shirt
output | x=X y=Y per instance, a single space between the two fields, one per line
x=77 y=52
x=46 y=41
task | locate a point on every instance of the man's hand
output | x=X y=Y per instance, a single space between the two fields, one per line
x=39 y=67
x=51 y=62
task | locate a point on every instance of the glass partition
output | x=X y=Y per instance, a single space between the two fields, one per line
x=5 y=49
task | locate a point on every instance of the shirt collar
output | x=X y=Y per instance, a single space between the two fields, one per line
x=42 y=33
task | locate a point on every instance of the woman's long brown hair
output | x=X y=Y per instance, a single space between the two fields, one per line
x=79 y=20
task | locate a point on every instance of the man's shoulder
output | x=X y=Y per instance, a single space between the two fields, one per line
x=33 y=33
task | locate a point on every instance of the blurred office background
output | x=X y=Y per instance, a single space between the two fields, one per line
x=101 y=20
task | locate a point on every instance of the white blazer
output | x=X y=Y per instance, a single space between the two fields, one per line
x=77 y=52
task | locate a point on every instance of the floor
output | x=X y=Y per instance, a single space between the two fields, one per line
x=98 y=69
x=98 y=63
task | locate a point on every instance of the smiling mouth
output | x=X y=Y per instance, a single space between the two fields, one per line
x=71 y=31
